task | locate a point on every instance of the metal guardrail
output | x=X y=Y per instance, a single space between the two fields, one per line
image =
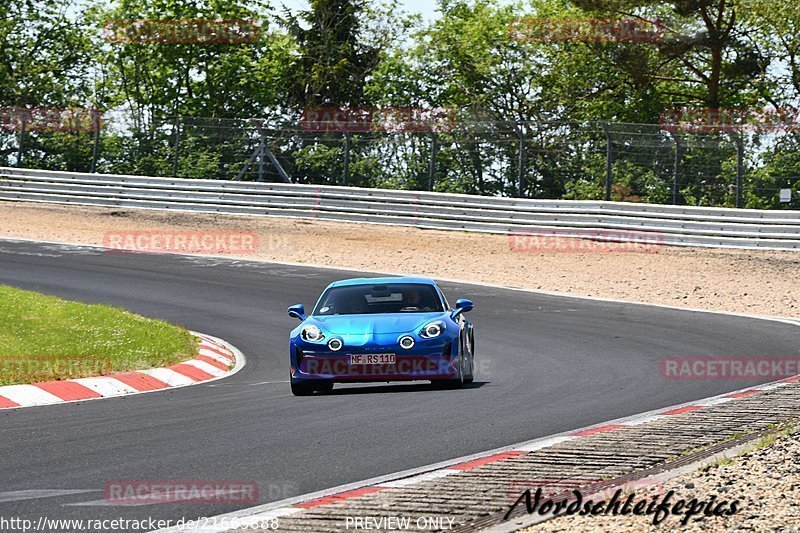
x=612 y=221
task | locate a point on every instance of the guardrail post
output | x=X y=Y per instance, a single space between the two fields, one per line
x=346 y=172
x=609 y=160
x=176 y=129
x=432 y=166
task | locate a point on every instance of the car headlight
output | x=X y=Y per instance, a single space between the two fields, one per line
x=312 y=334
x=432 y=330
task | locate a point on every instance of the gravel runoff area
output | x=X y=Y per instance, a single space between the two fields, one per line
x=754 y=282
x=765 y=480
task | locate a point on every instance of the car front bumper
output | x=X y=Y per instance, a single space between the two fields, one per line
x=426 y=361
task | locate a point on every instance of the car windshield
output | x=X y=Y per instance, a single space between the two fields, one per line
x=379 y=298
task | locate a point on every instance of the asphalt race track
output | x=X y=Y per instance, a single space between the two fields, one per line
x=546 y=364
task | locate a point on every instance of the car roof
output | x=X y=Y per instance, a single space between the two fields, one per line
x=381 y=281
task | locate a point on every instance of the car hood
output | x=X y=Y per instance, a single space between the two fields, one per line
x=375 y=324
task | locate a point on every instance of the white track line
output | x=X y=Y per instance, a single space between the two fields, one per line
x=36 y=494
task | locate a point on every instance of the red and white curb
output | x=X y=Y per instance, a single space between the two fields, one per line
x=216 y=360
x=260 y=514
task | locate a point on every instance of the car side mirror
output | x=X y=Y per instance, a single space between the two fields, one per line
x=463 y=306
x=297 y=311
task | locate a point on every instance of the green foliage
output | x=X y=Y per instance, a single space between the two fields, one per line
x=524 y=101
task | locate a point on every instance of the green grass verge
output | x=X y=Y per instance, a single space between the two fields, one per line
x=43 y=338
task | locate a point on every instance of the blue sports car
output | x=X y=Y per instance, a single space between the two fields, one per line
x=381 y=329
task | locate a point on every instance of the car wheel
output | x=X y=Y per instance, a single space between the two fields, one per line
x=471 y=376
x=302 y=389
x=455 y=383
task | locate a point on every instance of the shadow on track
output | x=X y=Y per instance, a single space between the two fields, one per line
x=348 y=389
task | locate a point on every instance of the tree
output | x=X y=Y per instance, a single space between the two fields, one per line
x=45 y=64
x=706 y=57
x=333 y=61
x=45 y=56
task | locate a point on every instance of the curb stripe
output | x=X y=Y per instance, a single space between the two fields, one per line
x=106 y=387
x=26 y=395
x=205 y=367
x=191 y=372
x=216 y=350
x=214 y=355
x=68 y=390
x=487 y=460
x=744 y=393
x=545 y=443
x=682 y=410
x=340 y=497
x=595 y=431
x=170 y=377
x=644 y=420
x=214 y=362
x=5 y=402
x=413 y=480
x=140 y=382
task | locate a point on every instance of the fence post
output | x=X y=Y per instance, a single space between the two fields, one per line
x=21 y=143
x=677 y=168
x=432 y=166
x=739 y=167
x=346 y=176
x=609 y=160
x=262 y=142
x=176 y=128
x=96 y=146
x=521 y=177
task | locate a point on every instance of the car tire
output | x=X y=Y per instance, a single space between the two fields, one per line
x=455 y=383
x=471 y=376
